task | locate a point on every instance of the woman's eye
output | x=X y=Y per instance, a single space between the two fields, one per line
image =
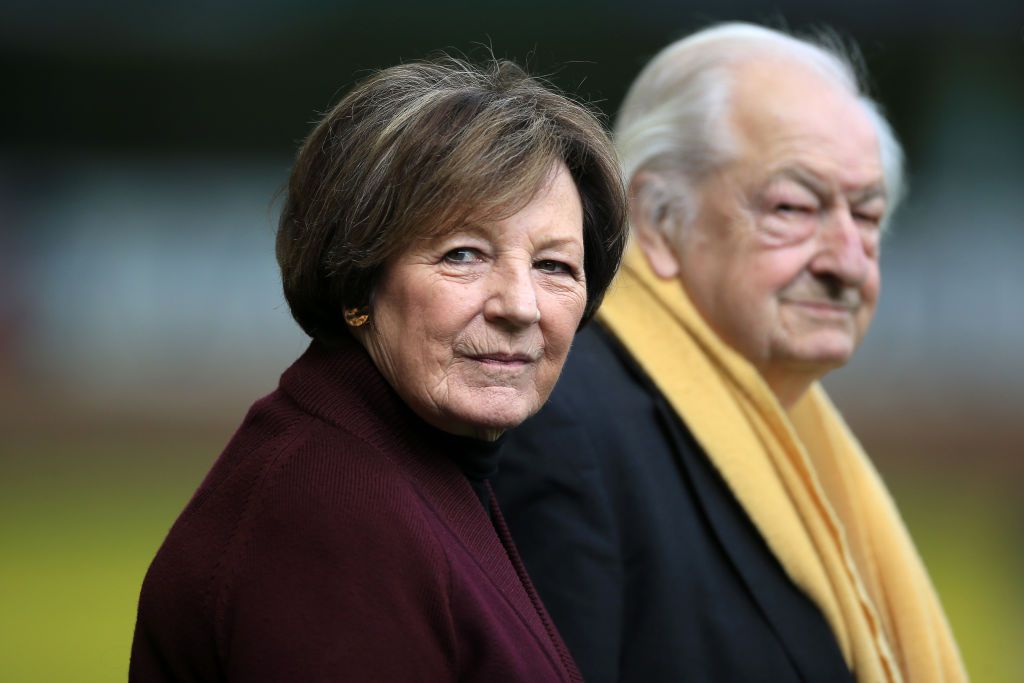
x=462 y=255
x=551 y=266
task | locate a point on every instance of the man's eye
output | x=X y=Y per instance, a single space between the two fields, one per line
x=551 y=266
x=462 y=255
x=789 y=208
x=869 y=219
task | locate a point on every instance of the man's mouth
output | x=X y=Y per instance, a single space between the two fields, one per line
x=823 y=306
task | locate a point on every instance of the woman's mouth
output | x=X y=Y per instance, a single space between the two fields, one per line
x=509 y=360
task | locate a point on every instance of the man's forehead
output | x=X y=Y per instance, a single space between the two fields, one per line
x=787 y=115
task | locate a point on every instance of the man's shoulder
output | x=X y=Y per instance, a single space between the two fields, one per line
x=599 y=372
x=602 y=410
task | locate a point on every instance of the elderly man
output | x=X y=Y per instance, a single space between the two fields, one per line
x=690 y=504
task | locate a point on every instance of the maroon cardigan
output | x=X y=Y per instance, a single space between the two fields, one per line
x=335 y=539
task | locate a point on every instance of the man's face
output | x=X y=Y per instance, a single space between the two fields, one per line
x=782 y=256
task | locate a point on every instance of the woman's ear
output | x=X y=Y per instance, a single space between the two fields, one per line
x=653 y=215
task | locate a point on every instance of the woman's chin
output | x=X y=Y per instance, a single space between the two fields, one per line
x=488 y=413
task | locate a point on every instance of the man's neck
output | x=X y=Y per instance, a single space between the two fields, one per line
x=789 y=385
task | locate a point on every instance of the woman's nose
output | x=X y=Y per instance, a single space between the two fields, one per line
x=512 y=296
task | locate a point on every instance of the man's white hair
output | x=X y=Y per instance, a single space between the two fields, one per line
x=675 y=117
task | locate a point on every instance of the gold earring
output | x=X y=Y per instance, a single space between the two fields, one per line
x=357 y=316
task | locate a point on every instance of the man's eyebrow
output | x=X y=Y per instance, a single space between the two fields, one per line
x=802 y=176
x=821 y=187
x=866 y=194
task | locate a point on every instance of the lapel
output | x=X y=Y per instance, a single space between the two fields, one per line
x=555 y=638
x=451 y=496
x=802 y=632
x=770 y=588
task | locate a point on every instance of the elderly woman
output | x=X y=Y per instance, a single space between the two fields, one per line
x=446 y=231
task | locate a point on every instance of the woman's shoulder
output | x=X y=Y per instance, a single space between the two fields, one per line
x=330 y=491
x=285 y=474
x=289 y=475
x=298 y=518
x=301 y=469
x=328 y=472
x=280 y=449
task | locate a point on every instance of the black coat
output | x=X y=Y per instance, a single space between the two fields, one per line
x=648 y=565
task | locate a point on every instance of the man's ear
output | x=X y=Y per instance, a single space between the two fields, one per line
x=653 y=216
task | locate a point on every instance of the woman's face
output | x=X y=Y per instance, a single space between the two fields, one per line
x=471 y=327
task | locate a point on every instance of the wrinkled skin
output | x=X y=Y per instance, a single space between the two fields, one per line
x=472 y=327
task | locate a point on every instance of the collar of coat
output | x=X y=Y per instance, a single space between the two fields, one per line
x=801 y=476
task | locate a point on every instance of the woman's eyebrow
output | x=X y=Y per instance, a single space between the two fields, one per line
x=560 y=241
x=464 y=230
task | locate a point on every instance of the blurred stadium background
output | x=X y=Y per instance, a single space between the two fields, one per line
x=142 y=147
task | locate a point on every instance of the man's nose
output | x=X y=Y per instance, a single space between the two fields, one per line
x=841 y=250
x=512 y=296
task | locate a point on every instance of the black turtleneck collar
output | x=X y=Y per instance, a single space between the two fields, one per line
x=478 y=460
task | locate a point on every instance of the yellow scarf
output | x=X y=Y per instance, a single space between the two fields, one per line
x=802 y=478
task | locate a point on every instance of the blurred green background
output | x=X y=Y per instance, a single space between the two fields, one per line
x=142 y=146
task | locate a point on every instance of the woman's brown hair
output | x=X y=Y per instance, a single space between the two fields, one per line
x=418 y=149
